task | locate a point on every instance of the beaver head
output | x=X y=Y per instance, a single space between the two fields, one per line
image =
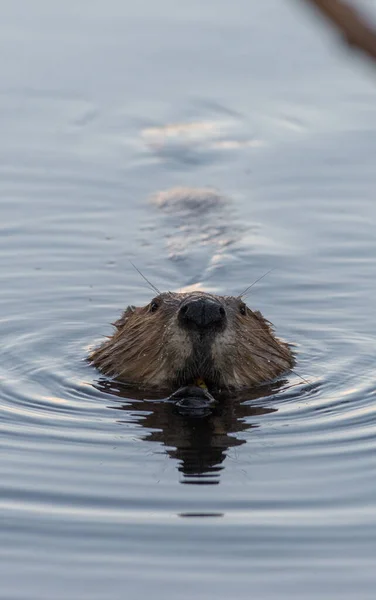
x=179 y=338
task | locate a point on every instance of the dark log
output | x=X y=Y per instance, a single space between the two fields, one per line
x=356 y=31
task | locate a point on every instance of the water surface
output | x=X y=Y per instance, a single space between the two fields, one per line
x=104 y=107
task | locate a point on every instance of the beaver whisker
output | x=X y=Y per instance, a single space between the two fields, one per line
x=153 y=287
x=300 y=377
x=242 y=295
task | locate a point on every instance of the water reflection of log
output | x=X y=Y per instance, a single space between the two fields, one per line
x=353 y=27
x=200 y=445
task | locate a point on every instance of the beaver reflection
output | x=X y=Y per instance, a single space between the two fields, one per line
x=199 y=444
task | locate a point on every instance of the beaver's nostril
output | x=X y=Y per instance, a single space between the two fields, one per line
x=202 y=312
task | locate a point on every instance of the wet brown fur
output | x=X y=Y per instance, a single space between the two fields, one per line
x=152 y=350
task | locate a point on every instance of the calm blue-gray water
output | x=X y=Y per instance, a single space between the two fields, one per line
x=105 y=105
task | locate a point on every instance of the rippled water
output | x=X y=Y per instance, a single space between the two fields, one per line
x=103 y=107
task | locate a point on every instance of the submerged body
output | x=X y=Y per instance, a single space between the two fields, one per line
x=181 y=338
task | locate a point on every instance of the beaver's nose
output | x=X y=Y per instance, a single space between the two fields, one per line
x=201 y=312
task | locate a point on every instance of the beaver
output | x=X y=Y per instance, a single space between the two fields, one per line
x=180 y=339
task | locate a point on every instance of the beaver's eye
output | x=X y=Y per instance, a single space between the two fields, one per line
x=154 y=305
x=243 y=309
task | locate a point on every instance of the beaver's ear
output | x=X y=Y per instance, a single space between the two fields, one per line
x=124 y=317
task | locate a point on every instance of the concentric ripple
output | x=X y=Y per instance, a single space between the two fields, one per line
x=93 y=469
